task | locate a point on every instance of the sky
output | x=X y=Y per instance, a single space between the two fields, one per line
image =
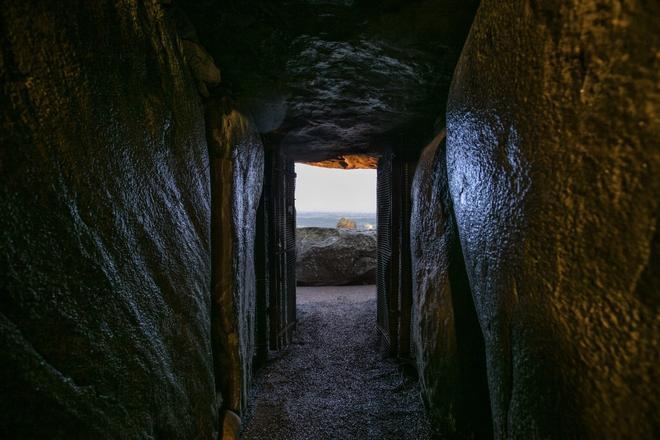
x=333 y=190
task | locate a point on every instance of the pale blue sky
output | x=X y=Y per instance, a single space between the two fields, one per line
x=333 y=190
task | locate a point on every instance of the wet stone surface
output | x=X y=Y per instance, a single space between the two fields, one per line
x=323 y=78
x=332 y=382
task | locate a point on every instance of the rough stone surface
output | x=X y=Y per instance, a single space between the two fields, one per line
x=105 y=267
x=237 y=170
x=348 y=162
x=335 y=257
x=200 y=62
x=231 y=426
x=332 y=382
x=337 y=76
x=449 y=346
x=553 y=165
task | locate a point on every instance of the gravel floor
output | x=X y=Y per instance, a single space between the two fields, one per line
x=332 y=382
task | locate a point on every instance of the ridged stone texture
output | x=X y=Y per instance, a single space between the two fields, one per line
x=105 y=304
x=237 y=168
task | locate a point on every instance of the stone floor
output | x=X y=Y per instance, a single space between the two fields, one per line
x=333 y=382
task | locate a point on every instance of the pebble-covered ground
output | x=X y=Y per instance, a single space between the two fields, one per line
x=333 y=382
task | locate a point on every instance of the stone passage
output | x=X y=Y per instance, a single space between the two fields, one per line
x=332 y=382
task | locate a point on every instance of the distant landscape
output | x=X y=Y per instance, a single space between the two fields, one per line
x=364 y=220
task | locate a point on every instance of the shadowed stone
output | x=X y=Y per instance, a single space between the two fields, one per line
x=105 y=260
x=237 y=170
x=449 y=347
x=339 y=77
x=231 y=426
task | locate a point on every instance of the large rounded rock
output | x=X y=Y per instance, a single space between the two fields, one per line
x=553 y=159
x=335 y=257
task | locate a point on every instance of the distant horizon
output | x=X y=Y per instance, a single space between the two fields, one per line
x=363 y=220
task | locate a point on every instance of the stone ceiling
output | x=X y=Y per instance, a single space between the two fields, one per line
x=324 y=78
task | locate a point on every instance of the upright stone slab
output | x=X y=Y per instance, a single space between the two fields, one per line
x=237 y=167
x=553 y=165
x=104 y=227
x=449 y=348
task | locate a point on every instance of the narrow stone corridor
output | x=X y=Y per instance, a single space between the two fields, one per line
x=333 y=382
x=149 y=225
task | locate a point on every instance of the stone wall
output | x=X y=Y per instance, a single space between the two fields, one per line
x=105 y=308
x=237 y=168
x=449 y=346
x=553 y=159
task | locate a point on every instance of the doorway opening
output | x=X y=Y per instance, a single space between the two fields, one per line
x=339 y=324
x=335 y=226
x=336 y=254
